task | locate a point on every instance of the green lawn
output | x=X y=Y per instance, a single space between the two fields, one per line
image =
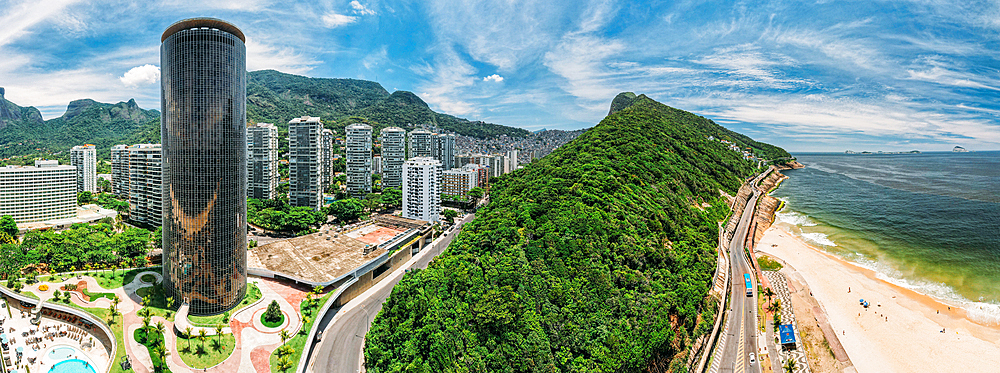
x=94 y=296
x=209 y=353
x=273 y=324
x=148 y=278
x=298 y=341
x=158 y=302
x=152 y=340
x=253 y=294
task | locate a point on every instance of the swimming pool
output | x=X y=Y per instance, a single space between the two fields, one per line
x=72 y=366
x=62 y=353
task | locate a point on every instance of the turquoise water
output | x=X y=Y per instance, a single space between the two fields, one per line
x=72 y=366
x=929 y=222
x=62 y=353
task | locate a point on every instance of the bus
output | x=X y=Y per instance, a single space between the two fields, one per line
x=746 y=278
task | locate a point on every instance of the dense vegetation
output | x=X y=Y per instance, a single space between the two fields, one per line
x=277 y=215
x=85 y=122
x=82 y=246
x=710 y=128
x=598 y=258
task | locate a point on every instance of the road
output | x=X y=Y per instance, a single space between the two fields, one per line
x=742 y=321
x=340 y=349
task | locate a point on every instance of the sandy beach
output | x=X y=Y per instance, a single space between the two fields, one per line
x=901 y=330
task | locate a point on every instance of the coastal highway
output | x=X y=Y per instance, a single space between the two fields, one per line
x=741 y=325
x=340 y=349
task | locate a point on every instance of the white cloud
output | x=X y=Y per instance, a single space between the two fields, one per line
x=450 y=76
x=361 y=9
x=334 y=20
x=262 y=56
x=494 y=77
x=141 y=75
x=19 y=19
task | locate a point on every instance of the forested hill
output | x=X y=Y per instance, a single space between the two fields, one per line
x=596 y=258
x=85 y=122
x=710 y=128
x=276 y=97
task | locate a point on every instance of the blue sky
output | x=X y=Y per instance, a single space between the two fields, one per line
x=809 y=76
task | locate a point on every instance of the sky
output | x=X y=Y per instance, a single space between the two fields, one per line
x=822 y=75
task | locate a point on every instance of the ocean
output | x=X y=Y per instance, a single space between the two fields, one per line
x=929 y=222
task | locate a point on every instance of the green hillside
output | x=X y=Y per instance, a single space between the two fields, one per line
x=597 y=258
x=85 y=122
x=276 y=97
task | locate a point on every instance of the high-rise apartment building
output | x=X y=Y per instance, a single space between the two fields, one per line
x=44 y=192
x=84 y=157
x=262 y=161
x=444 y=150
x=496 y=165
x=119 y=171
x=359 y=160
x=145 y=184
x=305 y=162
x=327 y=166
x=422 y=189
x=511 y=161
x=421 y=144
x=393 y=155
x=458 y=182
x=377 y=164
x=203 y=132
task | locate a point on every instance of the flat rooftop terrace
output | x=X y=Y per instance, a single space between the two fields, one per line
x=322 y=256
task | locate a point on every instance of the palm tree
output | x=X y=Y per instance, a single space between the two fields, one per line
x=284 y=335
x=160 y=328
x=145 y=322
x=768 y=293
x=201 y=336
x=218 y=332
x=187 y=335
x=789 y=366
x=284 y=364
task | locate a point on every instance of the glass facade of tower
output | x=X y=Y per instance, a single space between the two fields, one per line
x=203 y=133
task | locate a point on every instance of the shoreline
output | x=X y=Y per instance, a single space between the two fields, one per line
x=901 y=330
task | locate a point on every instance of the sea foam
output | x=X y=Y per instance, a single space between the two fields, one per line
x=794 y=218
x=819 y=238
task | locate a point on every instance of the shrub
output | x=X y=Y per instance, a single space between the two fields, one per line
x=273 y=313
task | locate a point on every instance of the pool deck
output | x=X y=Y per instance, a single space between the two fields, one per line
x=17 y=321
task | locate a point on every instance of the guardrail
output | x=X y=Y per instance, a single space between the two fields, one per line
x=308 y=348
x=73 y=311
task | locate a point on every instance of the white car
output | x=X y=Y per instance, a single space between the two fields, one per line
x=753 y=358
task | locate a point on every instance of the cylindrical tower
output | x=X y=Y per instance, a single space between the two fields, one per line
x=203 y=132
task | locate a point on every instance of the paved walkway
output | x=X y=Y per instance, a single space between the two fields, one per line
x=780 y=286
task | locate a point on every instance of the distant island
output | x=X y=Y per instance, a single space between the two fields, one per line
x=882 y=152
x=959 y=149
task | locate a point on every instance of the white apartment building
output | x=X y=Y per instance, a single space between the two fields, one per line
x=359 y=160
x=422 y=189
x=393 y=155
x=511 y=161
x=421 y=143
x=377 y=164
x=146 y=184
x=84 y=157
x=44 y=192
x=119 y=171
x=305 y=136
x=262 y=161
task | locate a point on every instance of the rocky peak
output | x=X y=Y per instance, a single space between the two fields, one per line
x=77 y=107
x=1 y=92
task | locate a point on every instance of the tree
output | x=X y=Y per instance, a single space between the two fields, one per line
x=450 y=215
x=225 y=318
x=392 y=197
x=284 y=335
x=84 y=197
x=104 y=185
x=187 y=335
x=476 y=193
x=218 y=331
x=201 y=336
x=768 y=293
x=273 y=312
x=8 y=225
x=160 y=328
x=346 y=210
x=789 y=366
